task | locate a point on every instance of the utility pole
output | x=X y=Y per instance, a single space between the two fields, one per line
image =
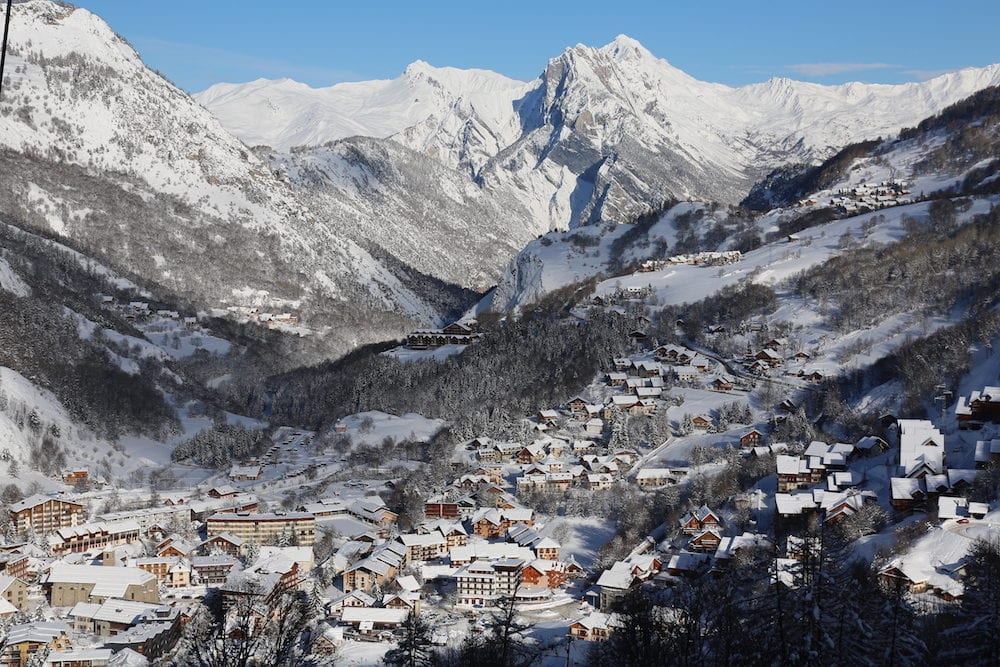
x=3 y=49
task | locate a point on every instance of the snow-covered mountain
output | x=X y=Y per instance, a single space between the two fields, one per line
x=426 y=104
x=364 y=236
x=106 y=152
x=605 y=132
x=953 y=153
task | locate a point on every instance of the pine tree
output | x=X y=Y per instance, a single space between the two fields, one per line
x=414 y=645
x=975 y=639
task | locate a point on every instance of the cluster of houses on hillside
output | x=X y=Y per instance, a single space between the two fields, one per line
x=126 y=581
x=867 y=197
x=696 y=259
x=776 y=354
x=140 y=311
x=871 y=196
x=267 y=319
x=824 y=483
x=624 y=295
x=464 y=332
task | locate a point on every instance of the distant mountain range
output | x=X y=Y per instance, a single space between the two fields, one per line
x=601 y=133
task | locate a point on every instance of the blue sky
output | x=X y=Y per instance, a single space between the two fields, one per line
x=325 y=41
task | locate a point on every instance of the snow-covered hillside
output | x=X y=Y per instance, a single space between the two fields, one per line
x=603 y=132
x=938 y=158
x=110 y=154
x=425 y=103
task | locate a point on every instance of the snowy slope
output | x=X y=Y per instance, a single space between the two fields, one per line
x=604 y=132
x=424 y=100
x=108 y=153
x=21 y=403
x=933 y=160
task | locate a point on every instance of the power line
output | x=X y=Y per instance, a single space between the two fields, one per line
x=3 y=49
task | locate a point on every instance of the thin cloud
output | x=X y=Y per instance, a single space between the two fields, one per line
x=828 y=69
x=925 y=74
x=214 y=64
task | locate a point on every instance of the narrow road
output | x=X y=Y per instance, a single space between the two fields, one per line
x=645 y=458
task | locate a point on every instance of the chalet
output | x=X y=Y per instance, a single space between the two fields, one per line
x=372 y=509
x=25 y=641
x=769 y=357
x=492 y=522
x=980 y=407
x=615 y=582
x=795 y=473
x=226 y=491
x=410 y=601
x=759 y=367
x=721 y=383
x=622 y=364
x=895 y=575
x=696 y=521
x=14 y=591
x=957 y=507
x=921 y=448
x=356 y=598
x=870 y=445
x=549 y=573
x=223 y=543
x=531 y=453
x=367 y=574
x=617 y=379
x=648 y=369
x=987 y=451
x=686 y=373
x=701 y=422
x=599 y=481
x=174 y=546
x=843 y=479
x=706 y=540
x=75 y=476
x=593 y=628
x=776 y=343
x=245 y=473
x=620 y=403
x=751 y=438
x=730 y=546
x=654 y=477
x=577 y=406
x=453 y=532
x=547 y=417
x=688 y=564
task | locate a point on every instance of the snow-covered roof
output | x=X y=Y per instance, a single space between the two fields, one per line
x=108 y=582
x=385 y=615
x=921 y=445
